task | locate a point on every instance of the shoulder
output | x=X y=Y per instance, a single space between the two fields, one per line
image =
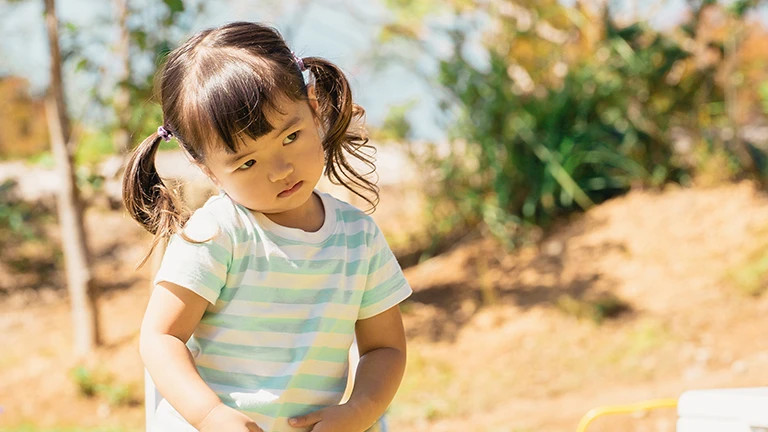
x=358 y=226
x=216 y=218
x=352 y=218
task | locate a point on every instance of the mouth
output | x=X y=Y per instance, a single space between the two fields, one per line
x=291 y=190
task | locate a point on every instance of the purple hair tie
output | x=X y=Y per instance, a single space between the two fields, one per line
x=299 y=61
x=164 y=133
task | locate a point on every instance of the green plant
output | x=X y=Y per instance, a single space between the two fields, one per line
x=93 y=147
x=645 y=337
x=19 y=218
x=750 y=277
x=598 y=309
x=543 y=126
x=764 y=96
x=97 y=383
x=396 y=125
x=418 y=396
x=532 y=156
x=86 y=381
x=43 y=160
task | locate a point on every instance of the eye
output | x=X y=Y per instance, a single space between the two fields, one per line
x=291 y=138
x=247 y=165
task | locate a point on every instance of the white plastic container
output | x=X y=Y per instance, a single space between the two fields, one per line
x=723 y=410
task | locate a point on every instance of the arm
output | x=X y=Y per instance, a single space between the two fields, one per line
x=381 y=342
x=172 y=314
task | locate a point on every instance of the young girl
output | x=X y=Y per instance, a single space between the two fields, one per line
x=261 y=292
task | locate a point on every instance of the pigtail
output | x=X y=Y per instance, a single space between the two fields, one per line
x=148 y=200
x=344 y=130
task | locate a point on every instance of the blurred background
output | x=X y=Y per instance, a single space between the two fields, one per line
x=575 y=190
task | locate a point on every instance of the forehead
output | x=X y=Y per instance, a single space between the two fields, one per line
x=281 y=117
x=283 y=110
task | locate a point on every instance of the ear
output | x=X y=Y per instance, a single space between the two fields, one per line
x=312 y=96
x=207 y=171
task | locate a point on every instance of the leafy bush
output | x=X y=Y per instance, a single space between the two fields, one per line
x=548 y=125
x=598 y=309
x=529 y=157
x=96 y=383
x=764 y=96
x=20 y=221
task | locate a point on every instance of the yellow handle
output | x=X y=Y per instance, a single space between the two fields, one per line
x=622 y=409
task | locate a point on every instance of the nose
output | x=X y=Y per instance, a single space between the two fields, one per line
x=281 y=169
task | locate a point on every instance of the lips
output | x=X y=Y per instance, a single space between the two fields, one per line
x=291 y=190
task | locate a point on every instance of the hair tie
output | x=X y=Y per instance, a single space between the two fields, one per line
x=164 y=133
x=299 y=61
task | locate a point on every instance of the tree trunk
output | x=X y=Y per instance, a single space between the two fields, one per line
x=82 y=290
x=122 y=136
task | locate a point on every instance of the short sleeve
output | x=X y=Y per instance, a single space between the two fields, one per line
x=198 y=258
x=385 y=285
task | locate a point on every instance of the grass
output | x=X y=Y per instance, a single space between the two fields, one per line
x=422 y=394
x=96 y=383
x=750 y=277
x=437 y=387
x=43 y=160
x=647 y=336
x=635 y=351
x=598 y=309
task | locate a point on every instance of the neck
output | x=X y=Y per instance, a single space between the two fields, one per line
x=308 y=217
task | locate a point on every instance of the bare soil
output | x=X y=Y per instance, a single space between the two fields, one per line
x=498 y=340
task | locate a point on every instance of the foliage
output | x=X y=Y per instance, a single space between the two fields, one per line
x=535 y=155
x=426 y=374
x=396 y=126
x=93 y=147
x=43 y=160
x=566 y=108
x=152 y=34
x=18 y=220
x=764 y=96
x=597 y=309
x=28 y=248
x=95 y=383
x=750 y=276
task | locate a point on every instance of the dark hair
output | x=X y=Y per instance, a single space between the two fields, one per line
x=215 y=88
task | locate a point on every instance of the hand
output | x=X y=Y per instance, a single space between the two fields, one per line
x=223 y=418
x=337 y=418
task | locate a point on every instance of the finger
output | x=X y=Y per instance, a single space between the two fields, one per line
x=306 y=420
x=318 y=427
x=253 y=427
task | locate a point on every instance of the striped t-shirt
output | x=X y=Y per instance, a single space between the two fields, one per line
x=275 y=338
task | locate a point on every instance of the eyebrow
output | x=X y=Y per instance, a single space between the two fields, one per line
x=287 y=125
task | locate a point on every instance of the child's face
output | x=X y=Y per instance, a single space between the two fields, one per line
x=277 y=172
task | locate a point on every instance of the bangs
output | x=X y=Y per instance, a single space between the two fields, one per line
x=230 y=96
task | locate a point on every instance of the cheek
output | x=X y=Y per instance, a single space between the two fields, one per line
x=315 y=151
x=243 y=185
x=319 y=157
